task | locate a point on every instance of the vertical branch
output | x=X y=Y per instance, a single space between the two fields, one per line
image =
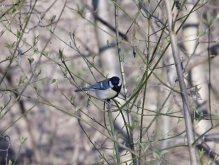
x=184 y=95
x=209 y=75
x=145 y=91
x=114 y=137
x=131 y=141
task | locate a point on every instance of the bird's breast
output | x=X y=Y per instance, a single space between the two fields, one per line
x=105 y=94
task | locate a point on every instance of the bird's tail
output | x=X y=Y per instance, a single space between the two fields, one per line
x=82 y=89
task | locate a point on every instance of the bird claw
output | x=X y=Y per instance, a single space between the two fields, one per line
x=107 y=102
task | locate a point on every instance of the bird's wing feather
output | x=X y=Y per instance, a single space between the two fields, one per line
x=90 y=88
x=102 y=85
x=93 y=86
x=106 y=84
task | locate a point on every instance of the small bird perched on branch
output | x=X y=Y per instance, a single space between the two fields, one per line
x=106 y=89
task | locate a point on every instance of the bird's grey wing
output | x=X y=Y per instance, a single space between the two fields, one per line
x=105 y=84
x=91 y=87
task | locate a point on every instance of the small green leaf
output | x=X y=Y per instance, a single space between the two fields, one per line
x=40 y=83
x=210 y=20
x=77 y=108
x=39 y=73
x=18 y=34
x=167 y=39
x=140 y=4
x=22 y=140
x=201 y=153
x=21 y=81
x=37 y=38
x=209 y=17
x=156 y=154
x=82 y=10
x=93 y=56
x=14 y=2
x=163 y=152
x=107 y=42
x=36 y=89
x=197 y=89
x=129 y=126
x=30 y=60
x=168 y=110
x=10 y=45
x=72 y=99
x=14 y=12
x=147 y=147
x=26 y=19
x=135 y=122
x=53 y=18
x=35 y=51
x=179 y=120
x=144 y=146
x=47 y=54
x=200 y=34
x=2 y=7
x=53 y=81
x=201 y=116
x=61 y=54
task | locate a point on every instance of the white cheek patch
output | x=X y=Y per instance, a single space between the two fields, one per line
x=120 y=83
x=111 y=85
x=101 y=85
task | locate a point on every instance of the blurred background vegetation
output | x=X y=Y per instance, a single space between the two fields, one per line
x=50 y=48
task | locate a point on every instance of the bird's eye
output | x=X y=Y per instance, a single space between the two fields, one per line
x=111 y=85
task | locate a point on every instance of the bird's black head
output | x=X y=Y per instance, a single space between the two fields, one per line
x=115 y=83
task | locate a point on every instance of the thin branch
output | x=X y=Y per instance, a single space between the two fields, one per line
x=114 y=136
x=184 y=95
x=131 y=141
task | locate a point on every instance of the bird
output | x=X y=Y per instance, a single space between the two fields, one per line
x=106 y=89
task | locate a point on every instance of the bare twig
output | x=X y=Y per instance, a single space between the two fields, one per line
x=103 y=21
x=184 y=95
